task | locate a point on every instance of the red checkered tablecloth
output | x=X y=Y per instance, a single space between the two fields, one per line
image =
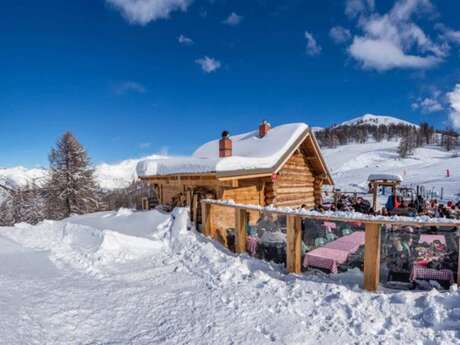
x=326 y=258
x=427 y=238
x=251 y=245
x=350 y=247
x=421 y=272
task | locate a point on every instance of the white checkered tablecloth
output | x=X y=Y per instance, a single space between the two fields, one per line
x=421 y=272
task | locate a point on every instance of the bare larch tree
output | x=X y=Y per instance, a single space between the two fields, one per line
x=71 y=186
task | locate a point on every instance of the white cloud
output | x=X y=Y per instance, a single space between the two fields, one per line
x=427 y=105
x=144 y=11
x=313 y=48
x=233 y=19
x=393 y=40
x=145 y=145
x=454 y=101
x=128 y=86
x=353 y=8
x=449 y=34
x=339 y=34
x=184 y=40
x=208 y=64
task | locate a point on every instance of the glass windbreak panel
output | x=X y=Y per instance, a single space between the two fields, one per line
x=332 y=247
x=419 y=258
x=267 y=238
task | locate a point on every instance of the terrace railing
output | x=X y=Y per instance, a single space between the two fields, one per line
x=372 y=245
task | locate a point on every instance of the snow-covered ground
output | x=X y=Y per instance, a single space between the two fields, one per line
x=143 y=278
x=352 y=164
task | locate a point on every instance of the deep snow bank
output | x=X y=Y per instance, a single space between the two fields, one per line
x=90 y=241
x=173 y=286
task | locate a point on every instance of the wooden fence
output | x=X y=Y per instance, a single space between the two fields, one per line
x=294 y=233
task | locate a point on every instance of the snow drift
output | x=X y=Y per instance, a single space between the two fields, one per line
x=159 y=283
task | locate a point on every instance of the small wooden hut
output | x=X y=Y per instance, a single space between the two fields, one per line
x=280 y=166
x=382 y=180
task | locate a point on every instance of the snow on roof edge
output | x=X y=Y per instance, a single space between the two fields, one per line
x=250 y=152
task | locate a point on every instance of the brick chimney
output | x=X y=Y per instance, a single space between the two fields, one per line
x=225 y=145
x=264 y=128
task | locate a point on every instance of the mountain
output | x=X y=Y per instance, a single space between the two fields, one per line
x=108 y=176
x=375 y=120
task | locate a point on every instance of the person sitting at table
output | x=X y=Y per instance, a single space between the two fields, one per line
x=265 y=223
x=438 y=247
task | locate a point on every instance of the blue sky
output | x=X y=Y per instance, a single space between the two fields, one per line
x=135 y=77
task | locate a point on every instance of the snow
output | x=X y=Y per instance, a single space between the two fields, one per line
x=340 y=215
x=108 y=176
x=376 y=120
x=350 y=166
x=249 y=152
x=20 y=176
x=90 y=280
x=118 y=175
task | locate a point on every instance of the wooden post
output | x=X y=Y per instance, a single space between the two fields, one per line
x=458 y=252
x=372 y=257
x=188 y=195
x=206 y=217
x=195 y=209
x=294 y=244
x=374 y=196
x=241 y=219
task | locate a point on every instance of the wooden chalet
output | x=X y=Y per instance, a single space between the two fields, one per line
x=280 y=166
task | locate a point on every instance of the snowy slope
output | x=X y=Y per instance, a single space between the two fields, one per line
x=142 y=278
x=376 y=120
x=351 y=165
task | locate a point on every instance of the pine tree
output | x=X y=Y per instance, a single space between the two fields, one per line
x=71 y=186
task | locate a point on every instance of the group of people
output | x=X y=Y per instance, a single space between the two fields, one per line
x=396 y=204
x=420 y=206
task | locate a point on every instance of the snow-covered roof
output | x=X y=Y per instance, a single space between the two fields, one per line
x=388 y=177
x=250 y=152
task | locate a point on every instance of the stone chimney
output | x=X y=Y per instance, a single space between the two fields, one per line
x=264 y=128
x=225 y=145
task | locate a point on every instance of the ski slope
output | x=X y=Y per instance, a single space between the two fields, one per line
x=144 y=278
x=351 y=165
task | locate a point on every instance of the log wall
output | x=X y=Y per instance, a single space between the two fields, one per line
x=295 y=184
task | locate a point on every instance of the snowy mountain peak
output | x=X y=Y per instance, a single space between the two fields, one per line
x=375 y=120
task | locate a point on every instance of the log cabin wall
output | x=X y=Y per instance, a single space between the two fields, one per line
x=295 y=183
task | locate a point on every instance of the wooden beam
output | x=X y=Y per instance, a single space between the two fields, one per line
x=241 y=217
x=372 y=257
x=294 y=247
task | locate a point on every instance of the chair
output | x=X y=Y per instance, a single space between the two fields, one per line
x=330 y=236
x=320 y=241
x=346 y=231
